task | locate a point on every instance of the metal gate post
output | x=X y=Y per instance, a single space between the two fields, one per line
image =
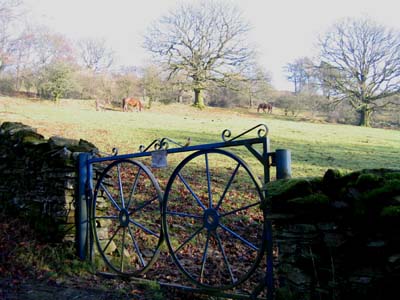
x=283 y=164
x=82 y=225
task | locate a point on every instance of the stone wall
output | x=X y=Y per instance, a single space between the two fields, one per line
x=38 y=179
x=337 y=237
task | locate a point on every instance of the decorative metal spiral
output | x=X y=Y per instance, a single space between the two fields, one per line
x=226 y=134
x=114 y=151
x=157 y=144
x=263 y=131
x=164 y=145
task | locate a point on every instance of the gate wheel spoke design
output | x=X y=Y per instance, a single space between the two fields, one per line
x=212 y=220
x=126 y=217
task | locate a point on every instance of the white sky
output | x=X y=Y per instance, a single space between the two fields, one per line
x=283 y=30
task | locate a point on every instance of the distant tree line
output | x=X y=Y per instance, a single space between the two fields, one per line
x=212 y=62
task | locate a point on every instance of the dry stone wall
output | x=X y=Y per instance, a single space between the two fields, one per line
x=38 y=178
x=337 y=237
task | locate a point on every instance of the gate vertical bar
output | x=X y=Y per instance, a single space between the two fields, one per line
x=268 y=224
x=82 y=208
x=89 y=203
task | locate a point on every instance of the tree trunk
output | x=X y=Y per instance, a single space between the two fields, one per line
x=180 y=96
x=365 y=117
x=198 y=98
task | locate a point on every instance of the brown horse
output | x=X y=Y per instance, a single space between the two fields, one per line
x=265 y=106
x=132 y=102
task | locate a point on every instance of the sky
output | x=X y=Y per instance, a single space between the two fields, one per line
x=282 y=30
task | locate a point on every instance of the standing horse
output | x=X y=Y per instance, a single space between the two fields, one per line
x=132 y=102
x=265 y=106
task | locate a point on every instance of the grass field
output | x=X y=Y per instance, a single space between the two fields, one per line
x=315 y=146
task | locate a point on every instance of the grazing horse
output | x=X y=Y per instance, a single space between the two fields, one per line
x=132 y=102
x=265 y=106
x=100 y=104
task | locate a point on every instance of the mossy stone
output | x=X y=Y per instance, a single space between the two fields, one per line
x=388 y=190
x=392 y=175
x=33 y=139
x=280 y=191
x=331 y=175
x=316 y=199
x=289 y=188
x=391 y=211
x=368 y=181
x=60 y=142
x=12 y=126
x=332 y=182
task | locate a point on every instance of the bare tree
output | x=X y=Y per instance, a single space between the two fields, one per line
x=95 y=55
x=362 y=60
x=44 y=50
x=19 y=61
x=205 y=42
x=300 y=73
x=9 y=15
x=50 y=47
x=256 y=84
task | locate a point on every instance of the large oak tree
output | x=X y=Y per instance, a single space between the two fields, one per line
x=360 y=63
x=206 y=42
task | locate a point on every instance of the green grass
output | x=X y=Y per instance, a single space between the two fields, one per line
x=315 y=147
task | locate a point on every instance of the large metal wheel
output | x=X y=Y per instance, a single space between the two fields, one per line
x=212 y=220
x=127 y=217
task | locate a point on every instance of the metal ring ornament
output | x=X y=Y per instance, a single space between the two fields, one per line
x=212 y=220
x=126 y=217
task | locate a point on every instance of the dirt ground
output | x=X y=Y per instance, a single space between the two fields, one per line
x=31 y=289
x=39 y=290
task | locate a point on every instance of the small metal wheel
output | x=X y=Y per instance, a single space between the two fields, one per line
x=127 y=217
x=212 y=220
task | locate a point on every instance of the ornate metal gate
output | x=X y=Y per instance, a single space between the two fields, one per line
x=212 y=215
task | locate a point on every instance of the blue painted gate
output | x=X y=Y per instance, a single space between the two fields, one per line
x=212 y=215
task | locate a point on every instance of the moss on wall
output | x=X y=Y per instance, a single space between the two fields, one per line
x=38 y=178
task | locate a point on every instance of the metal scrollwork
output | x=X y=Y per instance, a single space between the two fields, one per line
x=226 y=134
x=261 y=132
x=162 y=144
x=156 y=143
